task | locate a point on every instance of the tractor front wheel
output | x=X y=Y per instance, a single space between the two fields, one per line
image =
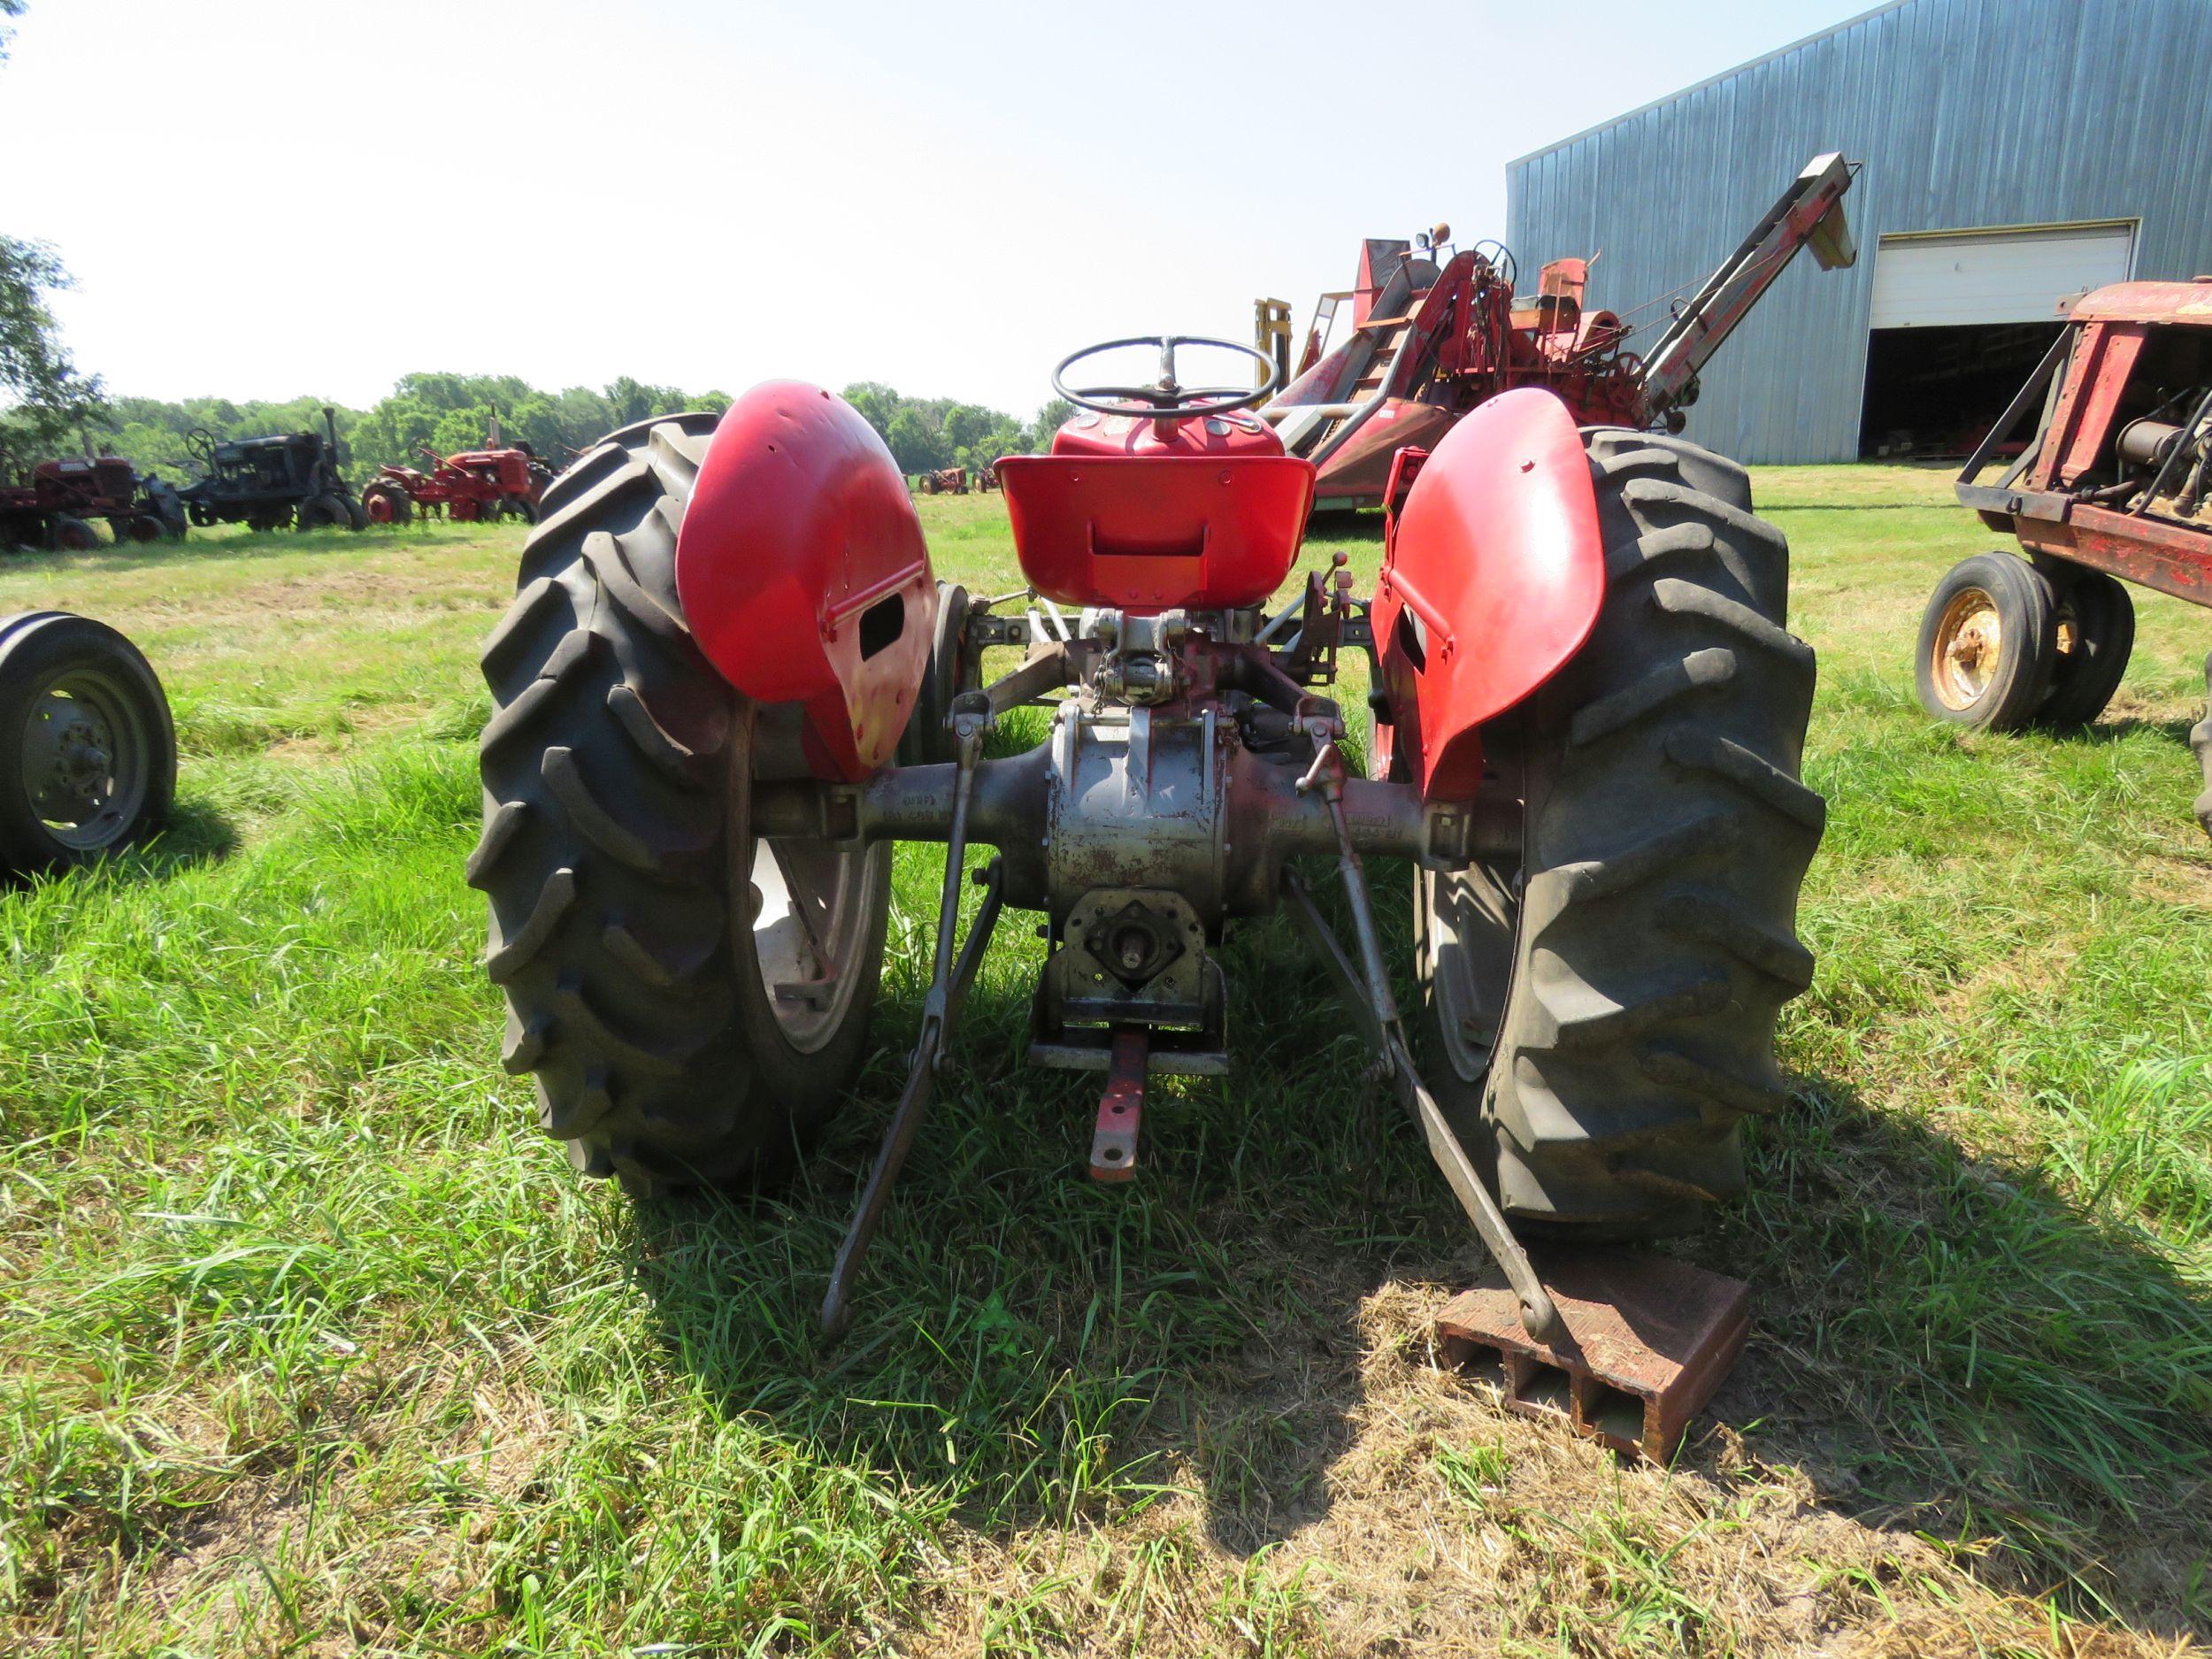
x=71 y=534
x=1600 y=1010
x=692 y=999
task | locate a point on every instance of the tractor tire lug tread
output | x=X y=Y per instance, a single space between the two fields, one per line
x=1640 y=973
x=609 y=802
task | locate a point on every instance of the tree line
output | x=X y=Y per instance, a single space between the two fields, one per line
x=451 y=412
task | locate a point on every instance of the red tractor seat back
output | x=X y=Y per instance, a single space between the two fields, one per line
x=1202 y=512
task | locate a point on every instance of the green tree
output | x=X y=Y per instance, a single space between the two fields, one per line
x=916 y=443
x=49 y=398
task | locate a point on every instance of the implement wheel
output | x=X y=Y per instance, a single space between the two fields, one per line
x=2093 y=627
x=88 y=754
x=693 y=1001
x=1988 y=644
x=1600 y=1013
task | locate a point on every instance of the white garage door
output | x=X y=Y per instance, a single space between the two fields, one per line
x=2009 y=276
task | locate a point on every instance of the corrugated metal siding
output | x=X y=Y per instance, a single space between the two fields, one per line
x=1967 y=113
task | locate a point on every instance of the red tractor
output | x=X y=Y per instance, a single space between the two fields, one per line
x=1588 y=721
x=1436 y=334
x=56 y=506
x=2116 y=482
x=472 y=485
x=946 y=481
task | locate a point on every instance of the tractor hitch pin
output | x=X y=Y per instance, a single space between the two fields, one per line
x=972 y=721
x=1369 y=994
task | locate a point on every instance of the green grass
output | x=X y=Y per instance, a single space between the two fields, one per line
x=311 y=1343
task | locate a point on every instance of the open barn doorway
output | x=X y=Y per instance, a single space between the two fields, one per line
x=1960 y=318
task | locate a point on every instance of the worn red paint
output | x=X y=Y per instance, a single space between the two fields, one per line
x=1491 y=581
x=803 y=574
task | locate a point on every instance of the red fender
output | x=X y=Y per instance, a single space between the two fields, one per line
x=1491 y=580
x=804 y=574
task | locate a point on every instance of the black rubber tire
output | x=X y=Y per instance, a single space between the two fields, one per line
x=1611 y=1001
x=616 y=768
x=928 y=738
x=67 y=533
x=356 y=515
x=2200 y=739
x=2014 y=687
x=322 y=512
x=36 y=646
x=2095 y=621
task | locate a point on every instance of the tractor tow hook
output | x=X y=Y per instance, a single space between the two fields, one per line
x=1366 y=990
x=972 y=721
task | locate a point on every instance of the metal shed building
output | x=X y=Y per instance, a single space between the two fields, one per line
x=2017 y=152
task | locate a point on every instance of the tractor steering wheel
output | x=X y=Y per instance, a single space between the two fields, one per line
x=1166 y=397
x=199 y=443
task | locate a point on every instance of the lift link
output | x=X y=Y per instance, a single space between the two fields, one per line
x=972 y=718
x=1369 y=997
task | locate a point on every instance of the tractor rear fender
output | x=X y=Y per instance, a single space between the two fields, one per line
x=1492 y=577
x=802 y=572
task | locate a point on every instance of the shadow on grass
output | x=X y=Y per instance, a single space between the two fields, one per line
x=1952 y=1345
x=194 y=835
x=1943 y=1346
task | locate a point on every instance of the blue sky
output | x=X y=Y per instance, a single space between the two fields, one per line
x=265 y=199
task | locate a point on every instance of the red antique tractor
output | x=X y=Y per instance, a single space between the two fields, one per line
x=2115 y=483
x=946 y=481
x=57 y=504
x=1435 y=332
x=472 y=485
x=1591 y=717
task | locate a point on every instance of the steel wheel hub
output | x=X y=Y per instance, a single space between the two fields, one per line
x=1969 y=643
x=84 y=760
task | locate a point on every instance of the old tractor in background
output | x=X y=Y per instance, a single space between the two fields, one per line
x=2115 y=482
x=473 y=486
x=1435 y=332
x=726 y=634
x=945 y=480
x=272 y=483
x=88 y=751
x=55 y=504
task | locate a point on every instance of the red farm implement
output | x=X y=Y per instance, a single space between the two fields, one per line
x=946 y=481
x=58 y=502
x=473 y=486
x=1434 y=333
x=730 y=682
x=2114 y=485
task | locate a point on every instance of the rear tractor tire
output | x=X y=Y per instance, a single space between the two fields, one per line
x=1600 y=1013
x=693 y=1001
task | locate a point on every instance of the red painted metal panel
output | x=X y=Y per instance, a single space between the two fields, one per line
x=799 y=552
x=2172 y=559
x=2189 y=303
x=1151 y=532
x=1492 y=580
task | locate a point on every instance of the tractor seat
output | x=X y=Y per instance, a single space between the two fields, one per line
x=1201 y=512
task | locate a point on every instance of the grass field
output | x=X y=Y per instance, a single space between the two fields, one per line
x=312 y=1345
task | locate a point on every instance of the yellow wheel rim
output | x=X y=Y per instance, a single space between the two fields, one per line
x=1969 y=643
